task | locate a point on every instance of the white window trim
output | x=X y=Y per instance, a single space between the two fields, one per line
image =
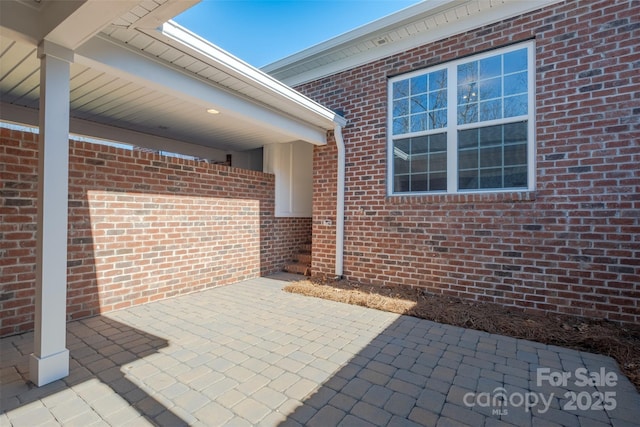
x=452 y=145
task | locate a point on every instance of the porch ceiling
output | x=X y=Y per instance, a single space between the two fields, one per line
x=135 y=75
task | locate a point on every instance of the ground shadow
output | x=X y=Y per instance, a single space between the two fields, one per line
x=101 y=350
x=141 y=226
x=418 y=372
x=600 y=336
x=113 y=204
x=251 y=354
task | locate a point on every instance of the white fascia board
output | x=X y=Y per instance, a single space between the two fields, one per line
x=102 y=54
x=19 y=21
x=213 y=55
x=360 y=32
x=73 y=23
x=164 y=13
x=66 y=23
x=494 y=14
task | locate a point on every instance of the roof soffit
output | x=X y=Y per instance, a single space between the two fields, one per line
x=65 y=23
x=117 y=61
x=176 y=48
x=412 y=27
x=212 y=56
x=258 y=109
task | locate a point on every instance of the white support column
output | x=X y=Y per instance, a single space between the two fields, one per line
x=50 y=359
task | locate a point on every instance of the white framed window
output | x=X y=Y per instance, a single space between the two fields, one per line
x=464 y=126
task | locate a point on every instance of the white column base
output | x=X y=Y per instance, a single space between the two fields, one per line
x=48 y=369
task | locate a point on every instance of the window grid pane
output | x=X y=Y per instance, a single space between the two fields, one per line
x=493 y=157
x=419 y=103
x=420 y=164
x=492 y=88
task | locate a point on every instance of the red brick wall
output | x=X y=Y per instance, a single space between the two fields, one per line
x=18 y=218
x=325 y=175
x=142 y=227
x=573 y=245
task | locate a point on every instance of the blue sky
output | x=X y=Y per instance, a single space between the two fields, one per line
x=263 y=31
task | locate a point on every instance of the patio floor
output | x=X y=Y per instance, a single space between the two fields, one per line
x=251 y=354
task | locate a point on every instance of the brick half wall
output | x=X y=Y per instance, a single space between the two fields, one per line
x=571 y=246
x=142 y=227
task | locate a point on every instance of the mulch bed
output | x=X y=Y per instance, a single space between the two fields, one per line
x=622 y=342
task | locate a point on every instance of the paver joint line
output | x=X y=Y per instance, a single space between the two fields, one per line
x=199 y=359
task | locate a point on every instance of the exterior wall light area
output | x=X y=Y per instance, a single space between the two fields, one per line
x=213 y=111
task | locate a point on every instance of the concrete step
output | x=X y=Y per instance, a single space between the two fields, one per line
x=298 y=268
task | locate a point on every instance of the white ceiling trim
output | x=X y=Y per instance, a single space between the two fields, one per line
x=20 y=21
x=177 y=75
x=214 y=56
x=163 y=13
x=66 y=23
x=103 y=54
x=78 y=22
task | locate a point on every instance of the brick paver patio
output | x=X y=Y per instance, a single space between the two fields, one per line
x=251 y=354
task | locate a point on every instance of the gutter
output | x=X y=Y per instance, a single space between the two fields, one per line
x=213 y=56
x=339 y=267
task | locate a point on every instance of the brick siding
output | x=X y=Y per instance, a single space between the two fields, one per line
x=142 y=227
x=571 y=246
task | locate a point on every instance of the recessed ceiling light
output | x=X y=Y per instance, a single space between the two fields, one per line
x=213 y=111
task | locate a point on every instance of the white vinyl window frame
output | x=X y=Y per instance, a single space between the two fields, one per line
x=453 y=128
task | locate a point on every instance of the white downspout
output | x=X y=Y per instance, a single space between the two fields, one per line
x=340 y=201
